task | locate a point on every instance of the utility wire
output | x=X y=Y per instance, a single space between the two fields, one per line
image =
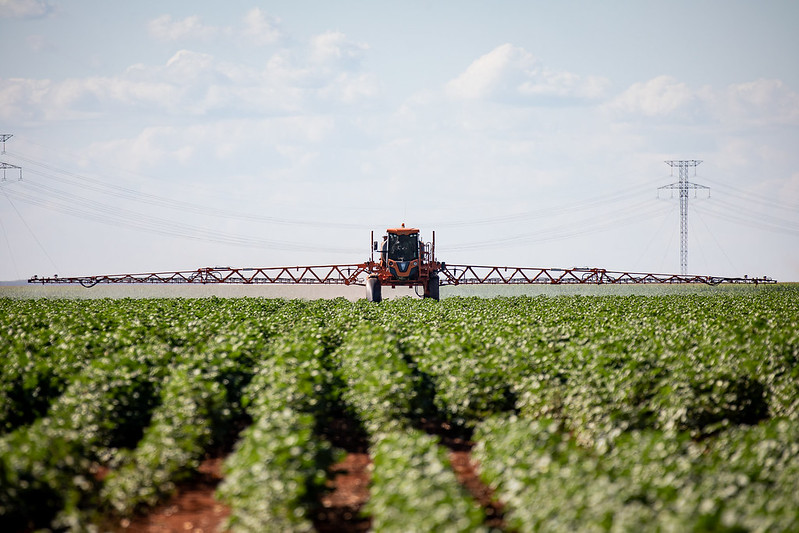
x=664 y=220
x=747 y=216
x=548 y=212
x=70 y=204
x=28 y=228
x=119 y=191
x=588 y=211
x=712 y=236
x=151 y=199
x=641 y=211
x=8 y=245
x=749 y=221
x=751 y=197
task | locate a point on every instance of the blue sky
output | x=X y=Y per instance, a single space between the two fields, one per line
x=175 y=135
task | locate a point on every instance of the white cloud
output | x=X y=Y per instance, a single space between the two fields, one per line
x=261 y=28
x=167 y=29
x=350 y=89
x=255 y=145
x=33 y=100
x=25 y=8
x=511 y=74
x=760 y=102
x=658 y=97
x=186 y=66
x=334 y=49
x=757 y=103
x=18 y=98
x=500 y=71
x=256 y=27
x=192 y=83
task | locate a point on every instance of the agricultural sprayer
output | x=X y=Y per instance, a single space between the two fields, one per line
x=403 y=260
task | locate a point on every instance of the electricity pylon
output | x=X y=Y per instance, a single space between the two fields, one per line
x=8 y=166
x=683 y=186
x=3 y=138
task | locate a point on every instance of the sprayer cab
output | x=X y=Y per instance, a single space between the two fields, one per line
x=400 y=253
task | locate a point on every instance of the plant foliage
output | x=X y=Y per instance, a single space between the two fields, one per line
x=677 y=411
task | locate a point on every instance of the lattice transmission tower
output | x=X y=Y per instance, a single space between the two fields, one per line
x=7 y=166
x=683 y=186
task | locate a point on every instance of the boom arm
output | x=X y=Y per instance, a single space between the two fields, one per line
x=324 y=274
x=355 y=274
x=475 y=275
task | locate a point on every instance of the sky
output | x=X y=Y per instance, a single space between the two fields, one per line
x=173 y=135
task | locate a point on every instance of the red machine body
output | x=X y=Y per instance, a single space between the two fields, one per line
x=404 y=260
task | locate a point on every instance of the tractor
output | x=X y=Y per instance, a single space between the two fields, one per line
x=403 y=260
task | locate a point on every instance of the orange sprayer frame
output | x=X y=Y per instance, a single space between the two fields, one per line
x=429 y=268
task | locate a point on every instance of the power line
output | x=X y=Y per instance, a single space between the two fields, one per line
x=753 y=198
x=589 y=225
x=734 y=214
x=28 y=228
x=8 y=245
x=119 y=191
x=655 y=234
x=89 y=210
x=544 y=213
x=712 y=236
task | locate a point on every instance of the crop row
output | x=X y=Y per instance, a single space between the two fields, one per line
x=674 y=412
x=746 y=479
x=146 y=410
x=413 y=486
x=279 y=465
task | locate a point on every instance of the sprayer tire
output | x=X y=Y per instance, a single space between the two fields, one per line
x=373 y=289
x=432 y=287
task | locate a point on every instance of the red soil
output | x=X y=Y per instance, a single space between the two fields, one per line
x=192 y=509
x=349 y=491
x=466 y=471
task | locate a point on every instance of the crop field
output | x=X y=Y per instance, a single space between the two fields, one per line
x=663 y=412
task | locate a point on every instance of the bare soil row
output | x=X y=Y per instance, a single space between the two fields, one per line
x=195 y=509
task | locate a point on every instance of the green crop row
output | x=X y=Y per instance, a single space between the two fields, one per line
x=115 y=364
x=746 y=480
x=278 y=468
x=47 y=469
x=181 y=429
x=470 y=382
x=414 y=488
x=380 y=386
x=46 y=343
x=273 y=475
x=661 y=412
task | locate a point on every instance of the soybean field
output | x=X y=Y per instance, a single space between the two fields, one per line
x=660 y=412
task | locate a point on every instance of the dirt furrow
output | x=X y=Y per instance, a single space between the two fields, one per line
x=349 y=491
x=467 y=472
x=193 y=508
